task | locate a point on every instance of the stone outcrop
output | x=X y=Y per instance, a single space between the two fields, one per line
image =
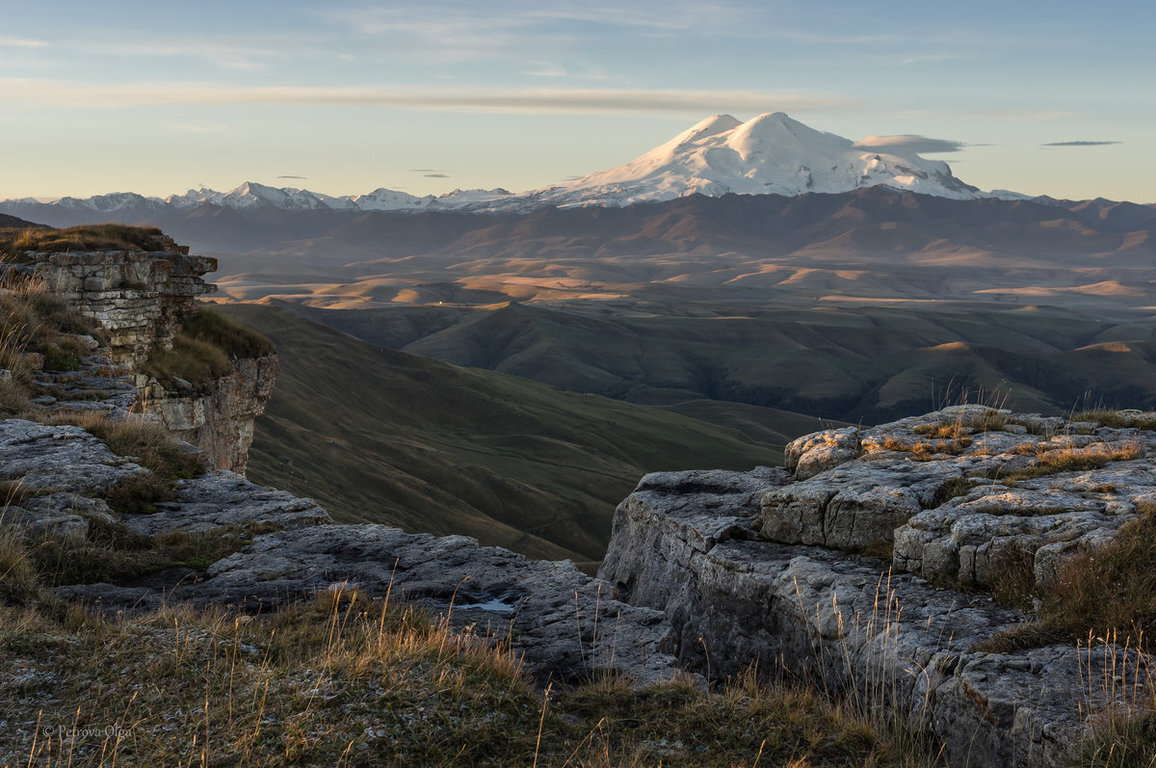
x=566 y=624
x=140 y=299
x=220 y=423
x=756 y=569
x=1023 y=487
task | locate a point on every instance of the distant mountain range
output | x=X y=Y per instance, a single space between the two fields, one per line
x=770 y=154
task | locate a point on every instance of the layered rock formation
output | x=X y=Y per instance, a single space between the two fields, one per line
x=757 y=569
x=140 y=299
x=220 y=423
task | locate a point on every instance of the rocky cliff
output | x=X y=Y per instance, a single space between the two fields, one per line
x=782 y=569
x=141 y=300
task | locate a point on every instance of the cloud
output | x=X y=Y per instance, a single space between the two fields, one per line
x=436 y=175
x=909 y=144
x=533 y=100
x=17 y=42
x=1079 y=143
x=293 y=177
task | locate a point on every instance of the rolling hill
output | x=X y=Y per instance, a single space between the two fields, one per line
x=384 y=436
x=860 y=363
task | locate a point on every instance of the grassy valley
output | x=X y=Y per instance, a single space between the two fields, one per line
x=851 y=363
x=384 y=436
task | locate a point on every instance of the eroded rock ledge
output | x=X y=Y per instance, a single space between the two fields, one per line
x=759 y=568
x=141 y=299
x=565 y=623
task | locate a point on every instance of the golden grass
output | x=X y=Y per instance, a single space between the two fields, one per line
x=1072 y=459
x=926 y=450
x=345 y=680
x=89 y=237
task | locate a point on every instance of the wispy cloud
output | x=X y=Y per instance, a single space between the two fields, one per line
x=287 y=176
x=543 y=100
x=18 y=42
x=909 y=144
x=546 y=69
x=1079 y=143
x=436 y=175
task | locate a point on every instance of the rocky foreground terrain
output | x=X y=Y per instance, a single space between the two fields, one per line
x=789 y=568
x=871 y=565
x=716 y=571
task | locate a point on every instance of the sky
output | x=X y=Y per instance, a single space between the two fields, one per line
x=157 y=97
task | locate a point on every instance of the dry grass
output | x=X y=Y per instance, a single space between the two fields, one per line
x=1117 y=419
x=344 y=680
x=32 y=320
x=926 y=450
x=202 y=351
x=147 y=443
x=1071 y=459
x=91 y=237
x=1109 y=591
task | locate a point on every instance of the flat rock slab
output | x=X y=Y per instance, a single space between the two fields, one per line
x=852 y=624
x=65 y=457
x=566 y=624
x=221 y=499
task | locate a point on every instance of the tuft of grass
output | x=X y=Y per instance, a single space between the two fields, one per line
x=234 y=339
x=115 y=554
x=90 y=237
x=34 y=321
x=147 y=443
x=1117 y=419
x=1050 y=462
x=18 y=577
x=197 y=362
x=926 y=450
x=1111 y=591
x=1124 y=743
x=202 y=350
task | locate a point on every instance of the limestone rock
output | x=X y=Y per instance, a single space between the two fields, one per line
x=851 y=624
x=811 y=454
x=220 y=423
x=138 y=297
x=223 y=499
x=965 y=492
x=41 y=458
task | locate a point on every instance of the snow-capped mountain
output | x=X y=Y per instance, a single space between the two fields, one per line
x=770 y=154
